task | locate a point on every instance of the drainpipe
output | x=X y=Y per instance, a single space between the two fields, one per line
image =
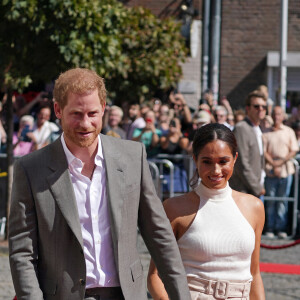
x=205 y=45
x=283 y=52
x=215 y=49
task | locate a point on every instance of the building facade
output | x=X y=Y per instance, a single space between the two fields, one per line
x=247 y=46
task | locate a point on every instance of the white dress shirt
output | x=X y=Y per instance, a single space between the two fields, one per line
x=42 y=135
x=258 y=133
x=94 y=220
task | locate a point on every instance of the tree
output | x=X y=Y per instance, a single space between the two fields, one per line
x=134 y=51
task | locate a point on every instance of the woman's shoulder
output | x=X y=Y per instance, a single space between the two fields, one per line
x=181 y=212
x=248 y=200
x=251 y=207
x=181 y=206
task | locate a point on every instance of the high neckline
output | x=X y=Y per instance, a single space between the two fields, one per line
x=213 y=194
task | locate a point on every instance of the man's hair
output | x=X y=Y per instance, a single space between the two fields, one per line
x=255 y=94
x=134 y=102
x=78 y=81
x=222 y=109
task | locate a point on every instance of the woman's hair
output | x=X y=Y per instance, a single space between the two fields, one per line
x=28 y=119
x=118 y=109
x=209 y=133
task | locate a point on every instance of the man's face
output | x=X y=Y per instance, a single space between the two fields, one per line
x=257 y=110
x=133 y=112
x=221 y=116
x=81 y=119
x=43 y=116
x=278 y=115
x=114 y=118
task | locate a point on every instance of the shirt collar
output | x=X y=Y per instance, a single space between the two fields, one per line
x=76 y=162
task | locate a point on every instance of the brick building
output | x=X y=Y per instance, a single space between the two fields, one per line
x=249 y=47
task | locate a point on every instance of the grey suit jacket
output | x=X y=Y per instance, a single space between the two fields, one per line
x=247 y=171
x=45 y=240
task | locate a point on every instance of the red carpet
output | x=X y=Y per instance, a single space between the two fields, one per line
x=279 y=268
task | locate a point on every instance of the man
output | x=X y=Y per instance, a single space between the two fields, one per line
x=221 y=116
x=248 y=175
x=280 y=146
x=115 y=116
x=43 y=128
x=76 y=205
x=137 y=121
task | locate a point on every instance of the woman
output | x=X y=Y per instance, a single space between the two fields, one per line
x=218 y=230
x=175 y=143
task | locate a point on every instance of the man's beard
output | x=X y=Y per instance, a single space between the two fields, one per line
x=76 y=139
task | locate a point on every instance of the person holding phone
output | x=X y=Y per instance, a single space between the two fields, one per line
x=22 y=140
x=149 y=135
x=175 y=143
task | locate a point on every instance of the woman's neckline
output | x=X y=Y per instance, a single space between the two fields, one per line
x=213 y=194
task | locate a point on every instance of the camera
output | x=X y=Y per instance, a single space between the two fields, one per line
x=23 y=136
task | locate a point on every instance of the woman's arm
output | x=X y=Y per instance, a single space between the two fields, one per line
x=257 y=288
x=164 y=142
x=155 y=285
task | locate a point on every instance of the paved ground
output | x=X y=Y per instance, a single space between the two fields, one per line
x=277 y=286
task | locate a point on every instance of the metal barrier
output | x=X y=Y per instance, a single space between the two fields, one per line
x=2 y=226
x=187 y=160
x=169 y=164
x=156 y=178
x=165 y=162
x=293 y=199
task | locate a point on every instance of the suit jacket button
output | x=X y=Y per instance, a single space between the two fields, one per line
x=82 y=281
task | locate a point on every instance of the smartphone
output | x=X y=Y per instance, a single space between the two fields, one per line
x=173 y=123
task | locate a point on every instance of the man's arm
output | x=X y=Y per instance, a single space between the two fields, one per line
x=22 y=231
x=246 y=172
x=159 y=238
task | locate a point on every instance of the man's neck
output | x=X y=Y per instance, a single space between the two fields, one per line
x=85 y=154
x=40 y=125
x=277 y=126
x=254 y=122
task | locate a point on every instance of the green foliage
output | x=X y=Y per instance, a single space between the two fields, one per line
x=134 y=51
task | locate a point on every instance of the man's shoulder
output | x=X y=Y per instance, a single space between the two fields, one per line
x=116 y=142
x=288 y=129
x=241 y=126
x=40 y=156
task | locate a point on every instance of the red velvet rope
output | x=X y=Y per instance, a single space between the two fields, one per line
x=276 y=247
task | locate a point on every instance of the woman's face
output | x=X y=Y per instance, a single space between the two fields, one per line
x=215 y=164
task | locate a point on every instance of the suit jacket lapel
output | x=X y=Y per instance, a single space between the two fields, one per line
x=62 y=189
x=115 y=185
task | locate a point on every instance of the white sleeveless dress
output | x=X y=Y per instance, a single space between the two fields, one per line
x=219 y=243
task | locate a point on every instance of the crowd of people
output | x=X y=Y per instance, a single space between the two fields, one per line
x=169 y=128
x=76 y=204
x=82 y=209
